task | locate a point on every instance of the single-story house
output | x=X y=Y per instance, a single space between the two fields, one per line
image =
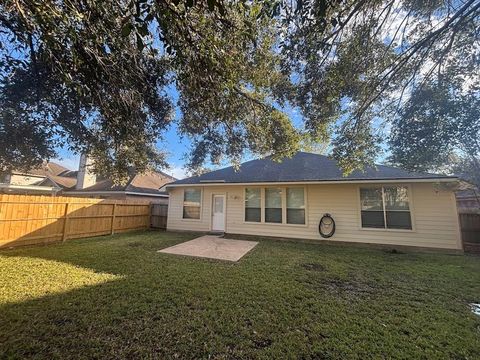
x=380 y=205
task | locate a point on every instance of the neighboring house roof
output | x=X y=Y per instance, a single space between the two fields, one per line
x=52 y=174
x=148 y=183
x=47 y=168
x=467 y=193
x=303 y=167
x=63 y=181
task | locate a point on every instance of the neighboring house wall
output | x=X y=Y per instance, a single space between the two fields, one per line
x=434 y=215
x=18 y=179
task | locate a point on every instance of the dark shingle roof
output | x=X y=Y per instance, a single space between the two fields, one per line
x=467 y=193
x=47 y=168
x=148 y=183
x=302 y=167
x=62 y=181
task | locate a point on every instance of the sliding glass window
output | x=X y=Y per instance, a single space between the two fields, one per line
x=385 y=207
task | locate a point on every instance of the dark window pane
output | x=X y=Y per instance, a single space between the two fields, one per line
x=373 y=219
x=399 y=220
x=191 y=212
x=273 y=215
x=295 y=216
x=252 y=214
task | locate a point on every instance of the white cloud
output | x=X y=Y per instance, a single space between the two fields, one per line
x=177 y=172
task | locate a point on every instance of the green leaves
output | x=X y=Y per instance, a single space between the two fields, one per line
x=437 y=124
x=99 y=75
x=127 y=29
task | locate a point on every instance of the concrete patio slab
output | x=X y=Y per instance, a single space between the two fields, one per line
x=212 y=247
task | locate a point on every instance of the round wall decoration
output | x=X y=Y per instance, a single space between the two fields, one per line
x=326 y=227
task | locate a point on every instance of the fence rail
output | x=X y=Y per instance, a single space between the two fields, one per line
x=26 y=220
x=470 y=228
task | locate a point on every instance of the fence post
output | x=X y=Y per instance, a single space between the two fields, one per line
x=112 y=227
x=151 y=216
x=65 y=222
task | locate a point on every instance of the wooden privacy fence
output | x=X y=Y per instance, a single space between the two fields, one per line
x=158 y=216
x=470 y=227
x=26 y=219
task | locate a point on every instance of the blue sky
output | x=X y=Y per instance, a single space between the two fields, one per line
x=177 y=147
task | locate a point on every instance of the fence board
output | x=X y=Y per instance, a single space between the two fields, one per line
x=32 y=219
x=470 y=227
x=158 y=217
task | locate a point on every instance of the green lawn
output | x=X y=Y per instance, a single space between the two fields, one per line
x=116 y=297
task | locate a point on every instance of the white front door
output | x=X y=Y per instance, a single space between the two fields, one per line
x=218 y=213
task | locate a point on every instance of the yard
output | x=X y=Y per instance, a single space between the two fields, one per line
x=116 y=297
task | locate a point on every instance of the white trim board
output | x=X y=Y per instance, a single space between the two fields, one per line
x=326 y=182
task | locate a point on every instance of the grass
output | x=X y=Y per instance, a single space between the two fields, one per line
x=116 y=297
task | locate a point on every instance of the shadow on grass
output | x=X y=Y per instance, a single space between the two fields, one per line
x=143 y=308
x=277 y=302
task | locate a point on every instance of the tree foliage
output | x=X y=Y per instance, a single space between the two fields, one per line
x=360 y=61
x=97 y=76
x=439 y=128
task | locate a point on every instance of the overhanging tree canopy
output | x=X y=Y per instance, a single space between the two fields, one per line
x=95 y=74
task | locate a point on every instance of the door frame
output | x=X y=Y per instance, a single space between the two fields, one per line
x=224 y=195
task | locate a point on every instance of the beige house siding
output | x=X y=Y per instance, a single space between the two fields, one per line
x=18 y=179
x=433 y=211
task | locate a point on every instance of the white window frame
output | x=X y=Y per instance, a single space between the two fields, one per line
x=284 y=204
x=410 y=206
x=201 y=203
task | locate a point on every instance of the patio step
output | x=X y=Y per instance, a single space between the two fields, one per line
x=216 y=233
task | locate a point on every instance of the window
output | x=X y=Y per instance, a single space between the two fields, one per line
x=253 y=210
x=372 y=208
x=273 y=205
x=191 y=203
x=295 y=206
x=397 y=211
x=385 y=207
